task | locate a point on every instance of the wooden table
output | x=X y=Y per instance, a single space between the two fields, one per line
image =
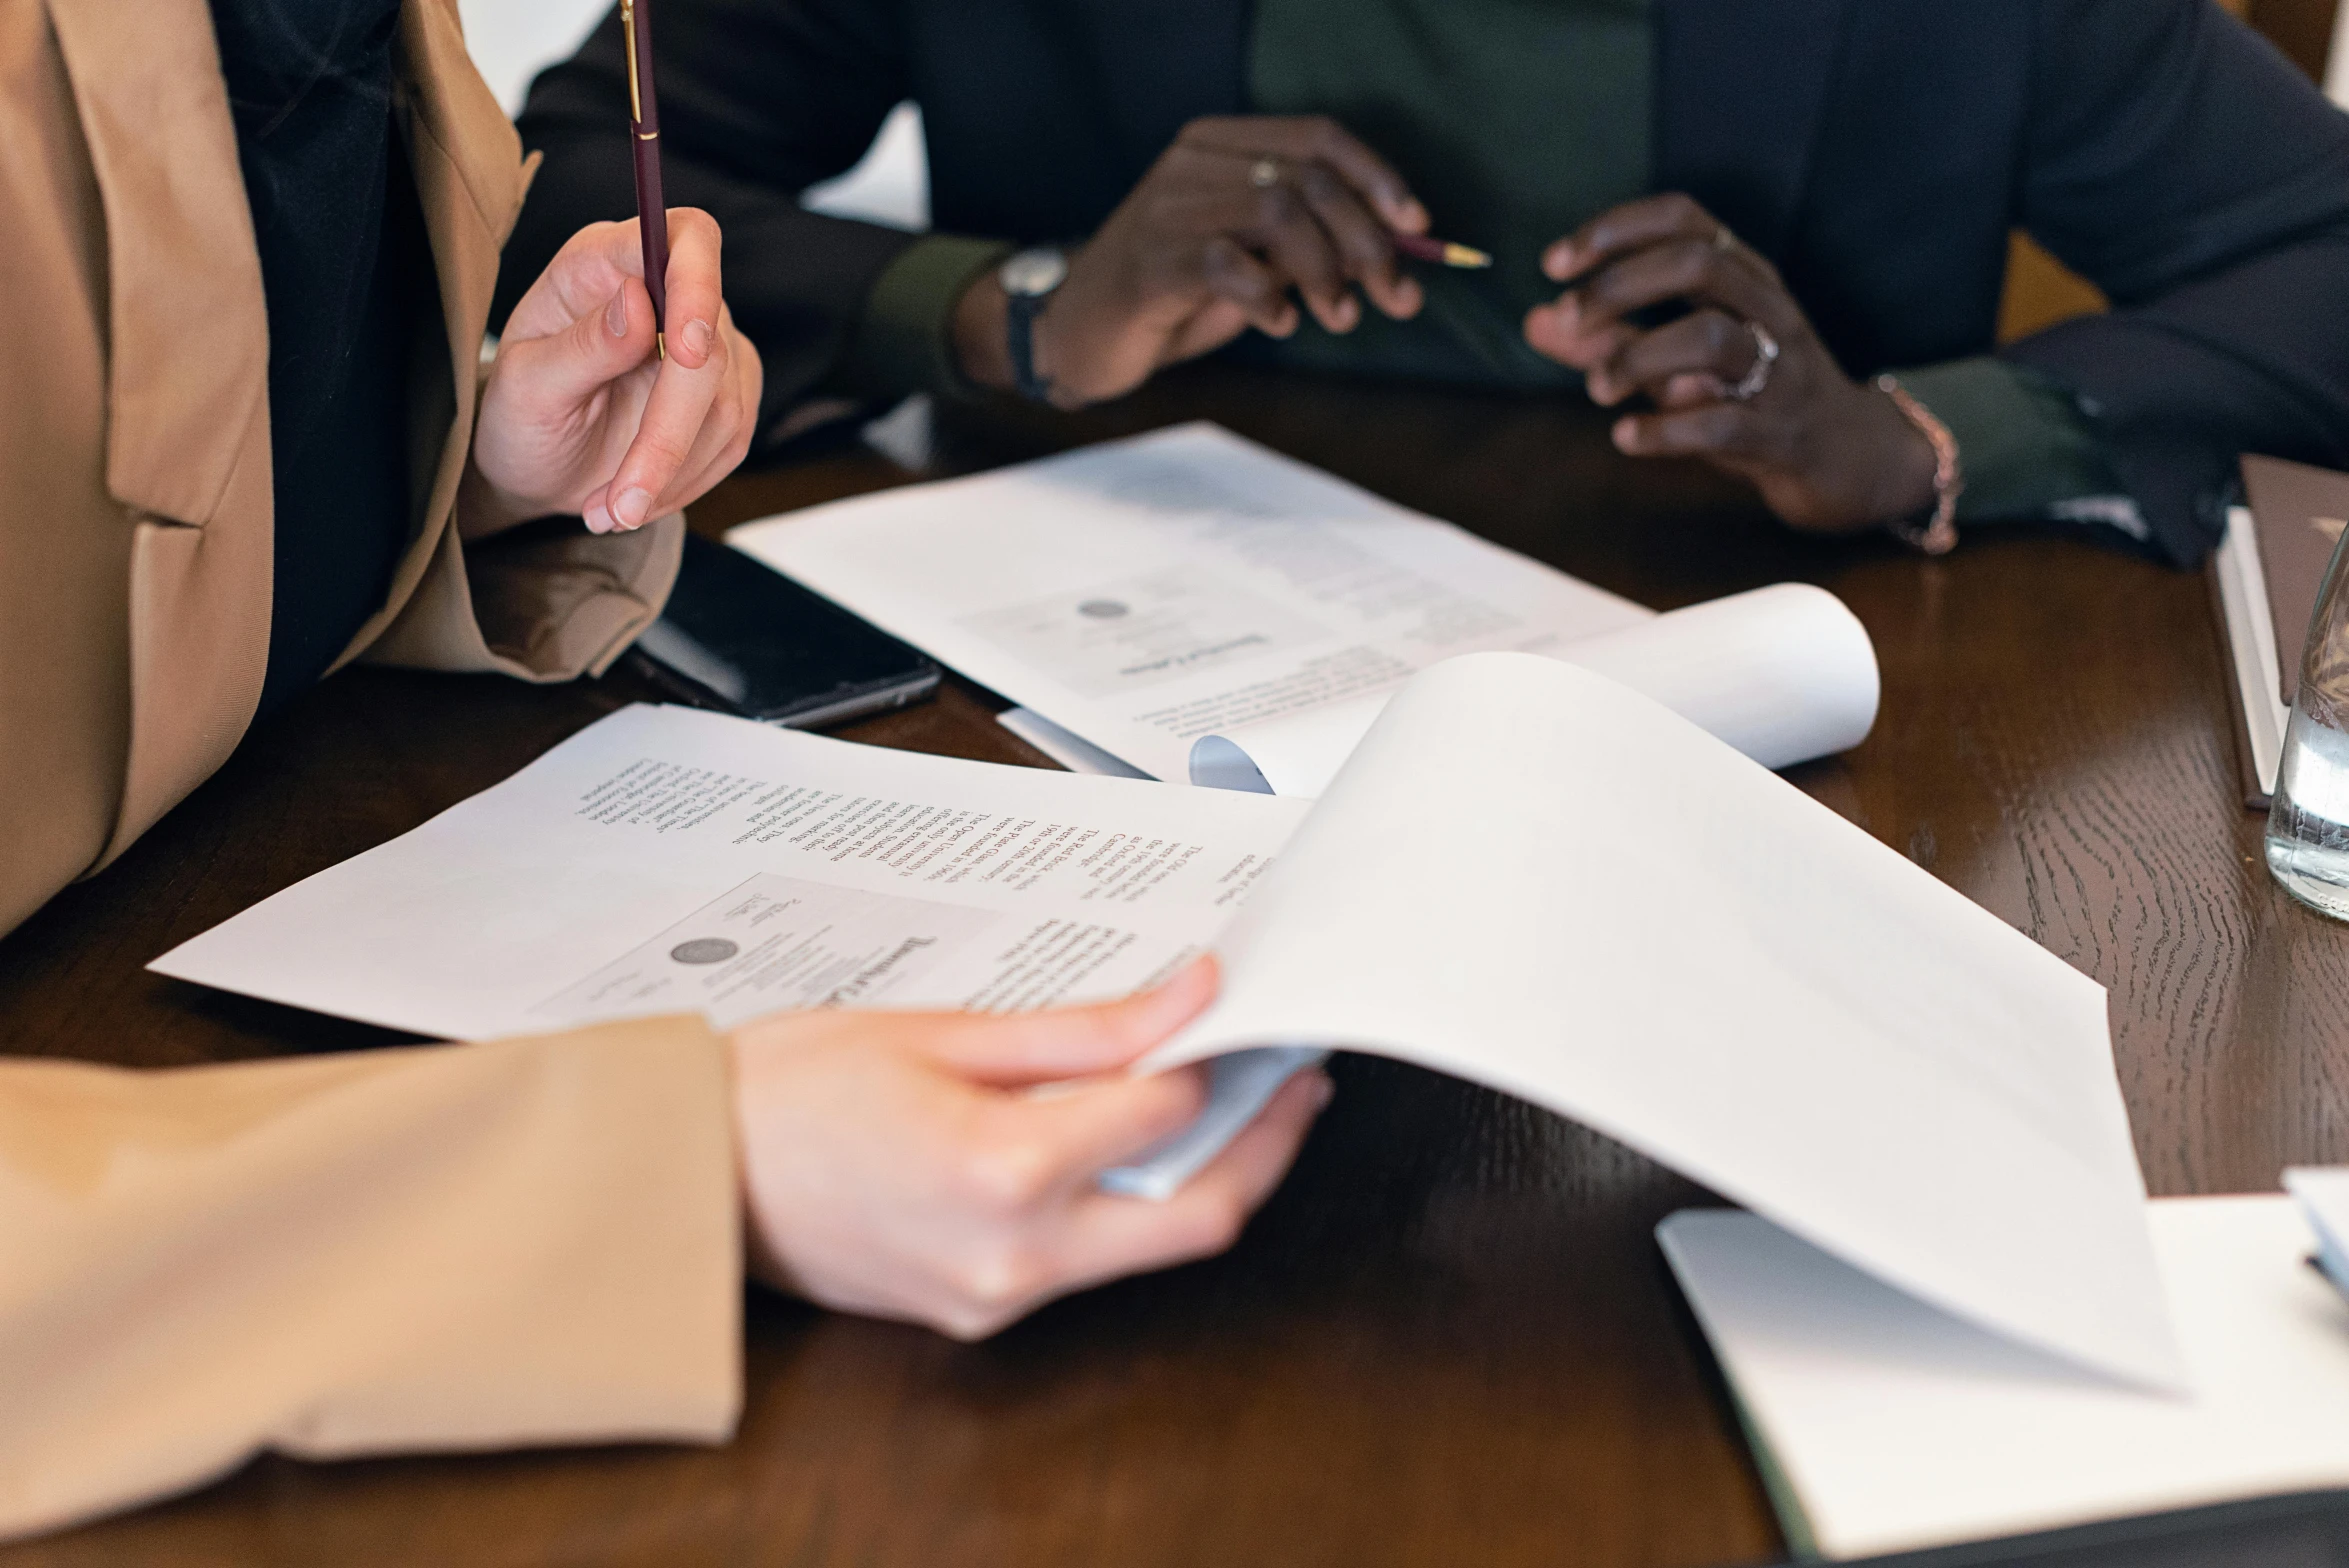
x=1449 y=1338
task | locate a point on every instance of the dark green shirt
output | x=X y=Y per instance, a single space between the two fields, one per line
x=1515 y=121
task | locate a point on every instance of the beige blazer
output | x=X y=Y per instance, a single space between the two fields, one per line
x=444 y=1247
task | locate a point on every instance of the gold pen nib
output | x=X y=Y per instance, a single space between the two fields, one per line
x=1465 y=256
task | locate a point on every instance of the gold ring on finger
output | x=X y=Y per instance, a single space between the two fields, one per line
x=1264 y=174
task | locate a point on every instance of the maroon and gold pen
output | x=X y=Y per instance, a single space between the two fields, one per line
x=1444 y=253
x=644 y=135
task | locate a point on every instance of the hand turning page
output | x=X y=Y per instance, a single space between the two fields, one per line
x=1525 y=874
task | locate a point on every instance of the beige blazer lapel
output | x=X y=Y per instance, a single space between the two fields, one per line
x=187 y=386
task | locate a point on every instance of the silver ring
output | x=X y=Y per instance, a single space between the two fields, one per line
x=1757 y=375
x=1264 y=174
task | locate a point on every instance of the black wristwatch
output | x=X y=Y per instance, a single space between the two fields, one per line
x=1028 y=280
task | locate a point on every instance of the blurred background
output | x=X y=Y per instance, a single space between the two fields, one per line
x=515 y=39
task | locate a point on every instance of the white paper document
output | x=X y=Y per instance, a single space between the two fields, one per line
x=669 y=860
x=1525 y=875
x=1190 y=589
x=1885 y=1425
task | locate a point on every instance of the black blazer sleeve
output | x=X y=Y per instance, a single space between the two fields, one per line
x=2175 y=159
x=759 y=100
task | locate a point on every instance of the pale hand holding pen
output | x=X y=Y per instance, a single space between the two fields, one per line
x=582 y=416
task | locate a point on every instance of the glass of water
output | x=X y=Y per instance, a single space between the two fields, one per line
x=2308 y=825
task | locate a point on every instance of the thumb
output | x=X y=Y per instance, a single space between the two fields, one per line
x=568 y=367
x=1073 y=1042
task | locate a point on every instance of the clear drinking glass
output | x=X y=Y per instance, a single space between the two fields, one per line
x=2308 y=824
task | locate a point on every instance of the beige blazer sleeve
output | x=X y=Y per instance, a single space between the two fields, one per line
x=444 y=1247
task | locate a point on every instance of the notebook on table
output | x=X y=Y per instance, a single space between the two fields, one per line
x=1882 y=1424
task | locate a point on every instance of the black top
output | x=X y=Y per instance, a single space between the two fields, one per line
x=1877 y=150
x=346 y=268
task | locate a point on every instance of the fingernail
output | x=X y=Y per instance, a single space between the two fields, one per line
x=1323 y=1092
x=1347 y=314
x=1621 y=435
x=631 y=507
x=616 y=315
x=1412 y=216
x=1554 y=264
x=698 y=338
x=597 y=517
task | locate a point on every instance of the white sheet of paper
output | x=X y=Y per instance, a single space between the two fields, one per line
x=669 y=860
x=1147 y=592
x=1530 y=876
x=1889 y=1426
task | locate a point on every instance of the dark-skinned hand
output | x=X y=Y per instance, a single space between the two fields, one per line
x=1829 y=454
x=1199 y=252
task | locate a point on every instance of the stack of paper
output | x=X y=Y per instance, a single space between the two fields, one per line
x=1526 y=875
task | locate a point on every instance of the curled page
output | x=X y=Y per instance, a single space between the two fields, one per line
x=1784 y=674
x=1531 y=876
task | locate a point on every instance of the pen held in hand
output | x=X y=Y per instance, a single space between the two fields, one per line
x=1443 y=253
x=644 y=140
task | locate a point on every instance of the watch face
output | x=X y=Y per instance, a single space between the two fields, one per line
x=1032 y=273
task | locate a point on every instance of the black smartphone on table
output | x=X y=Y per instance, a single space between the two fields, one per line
x=742 y=638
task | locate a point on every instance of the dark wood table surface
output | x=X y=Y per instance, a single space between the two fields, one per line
x=1449 y=1338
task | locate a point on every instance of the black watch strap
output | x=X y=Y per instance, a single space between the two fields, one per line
x=1020 y=322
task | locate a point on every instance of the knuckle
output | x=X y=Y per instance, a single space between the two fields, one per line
x=663 y=454
x=1213 y=1229
x=1009 y=1175
x=992 y=1284
x=1278 y=207
x=1692 y=265
x=1220 y=262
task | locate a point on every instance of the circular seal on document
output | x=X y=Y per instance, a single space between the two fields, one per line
x=1103 y=609
x=704 y=950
